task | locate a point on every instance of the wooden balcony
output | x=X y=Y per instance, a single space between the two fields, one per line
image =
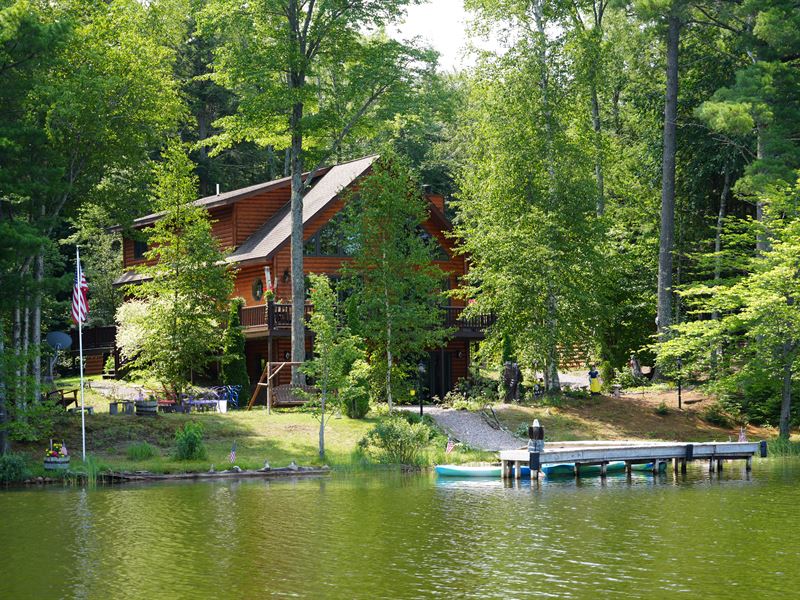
x=277 y=320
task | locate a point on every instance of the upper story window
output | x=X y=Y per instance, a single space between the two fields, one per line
x=139 y=248
x=331 y=240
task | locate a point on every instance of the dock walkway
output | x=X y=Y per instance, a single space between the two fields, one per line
x=635 y=452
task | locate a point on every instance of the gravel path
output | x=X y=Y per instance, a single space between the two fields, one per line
x=471 y=428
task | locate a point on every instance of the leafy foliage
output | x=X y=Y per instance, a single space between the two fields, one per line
x=396 y=441
x=189 y=442
x=394 y=286
x=234 y=365
x=13 y=468
x=183 y=298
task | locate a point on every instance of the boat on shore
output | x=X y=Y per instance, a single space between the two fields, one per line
x=467 y=471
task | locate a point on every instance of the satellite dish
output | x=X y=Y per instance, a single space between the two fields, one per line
x=58 y=340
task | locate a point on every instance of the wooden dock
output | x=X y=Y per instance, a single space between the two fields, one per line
x=587 y=453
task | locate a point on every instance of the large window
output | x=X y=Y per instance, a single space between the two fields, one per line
x=139 y=248
x=331 y=240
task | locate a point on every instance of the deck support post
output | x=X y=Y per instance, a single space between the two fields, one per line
x=711 y=465
x=603 y=469
x=269 y=380
x=675 y=465
x=628 y=468
x=504 y=469
x=719 y=465
x=577 y=469
x=683 y=466
x=655 y=466
x=749 y=463
x=517 y=469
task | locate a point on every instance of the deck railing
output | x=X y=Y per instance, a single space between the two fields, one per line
x=279 y=316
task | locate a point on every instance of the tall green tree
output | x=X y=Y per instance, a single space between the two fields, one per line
x=185 y=291
x=336 y=350
x=279 y=57
x=234 y=365
x=395 y=288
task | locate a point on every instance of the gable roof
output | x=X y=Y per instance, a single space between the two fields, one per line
x=275 y=232
x=223 y=199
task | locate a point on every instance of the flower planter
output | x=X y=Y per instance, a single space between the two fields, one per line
x=56 y=463
x=146 y=408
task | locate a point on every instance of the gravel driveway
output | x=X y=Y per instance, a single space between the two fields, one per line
x=470 y=428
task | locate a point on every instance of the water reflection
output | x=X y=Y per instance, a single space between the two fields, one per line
x=393 y=535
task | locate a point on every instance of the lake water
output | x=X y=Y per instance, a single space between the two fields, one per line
x=410 y=536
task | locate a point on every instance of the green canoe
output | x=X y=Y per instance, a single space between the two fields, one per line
x=463 y=471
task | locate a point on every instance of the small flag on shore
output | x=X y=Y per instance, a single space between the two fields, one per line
x=742 y=435
x=80 y=304
x=450 y=446
x=64 y=449
x=232 y=457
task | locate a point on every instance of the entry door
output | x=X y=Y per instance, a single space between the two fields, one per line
x=439 y=373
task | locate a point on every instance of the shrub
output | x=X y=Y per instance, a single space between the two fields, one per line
x=141 y=451
x=355 y=395
x=396 y=441
x=189 y=442
x=715 y=415
x=662 y=409
x=459 y=401
x=234 y=367
x=35 y=422
x=13 y=468
x=626 y=379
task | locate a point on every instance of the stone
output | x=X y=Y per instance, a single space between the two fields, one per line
x=211 y=470
x=266 y=466
x=236 y=469
x=293 y=466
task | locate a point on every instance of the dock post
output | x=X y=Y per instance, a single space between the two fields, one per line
x=719 y=465
x=655 y=466
x=535 y=465
x=603 y=469
x=628 y=467
x=517 y=469
x=683 y=466
x=675 y=465
x=711 y=465
x=503 y=469
x=749 y=463
x=577 y=469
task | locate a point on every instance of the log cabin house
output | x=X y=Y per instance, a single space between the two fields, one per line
x=254 y=225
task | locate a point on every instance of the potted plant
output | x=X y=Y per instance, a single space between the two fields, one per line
x=269 y=295
x=56 y=457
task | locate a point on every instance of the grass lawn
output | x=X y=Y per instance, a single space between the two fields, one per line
x=279 y=438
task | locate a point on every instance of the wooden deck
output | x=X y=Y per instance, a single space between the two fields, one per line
x=632 y=452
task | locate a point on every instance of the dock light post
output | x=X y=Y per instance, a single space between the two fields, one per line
x=535 y=446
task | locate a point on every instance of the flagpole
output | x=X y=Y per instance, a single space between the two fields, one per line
x=80 y=362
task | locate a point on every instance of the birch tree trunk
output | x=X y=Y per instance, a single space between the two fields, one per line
x=762 y=245
x=4 y=445
x=666 y=239
x=786 y=392
x=598 y=148
x=552 y=380
x=36 y=326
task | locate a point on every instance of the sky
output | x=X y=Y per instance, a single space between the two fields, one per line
x=441 y=23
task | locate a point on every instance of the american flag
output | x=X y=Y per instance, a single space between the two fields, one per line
x=64 y=449
x=450 y=446
x=232 y=456
x=80 y=305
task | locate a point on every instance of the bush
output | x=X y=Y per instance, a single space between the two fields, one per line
x=355 y=395
x=626 y=379
x=141 y=451
x=13 y=468
x=396 y=441
x=35 y=422
x=459 y=401
x=234 y=367
x=662 y=409
x=189 y=441
x=476 y=386
x=715 y=415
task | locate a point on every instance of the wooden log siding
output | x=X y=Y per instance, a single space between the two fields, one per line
x=251 y=213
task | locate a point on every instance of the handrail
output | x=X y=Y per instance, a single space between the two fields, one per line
x=279 y=316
